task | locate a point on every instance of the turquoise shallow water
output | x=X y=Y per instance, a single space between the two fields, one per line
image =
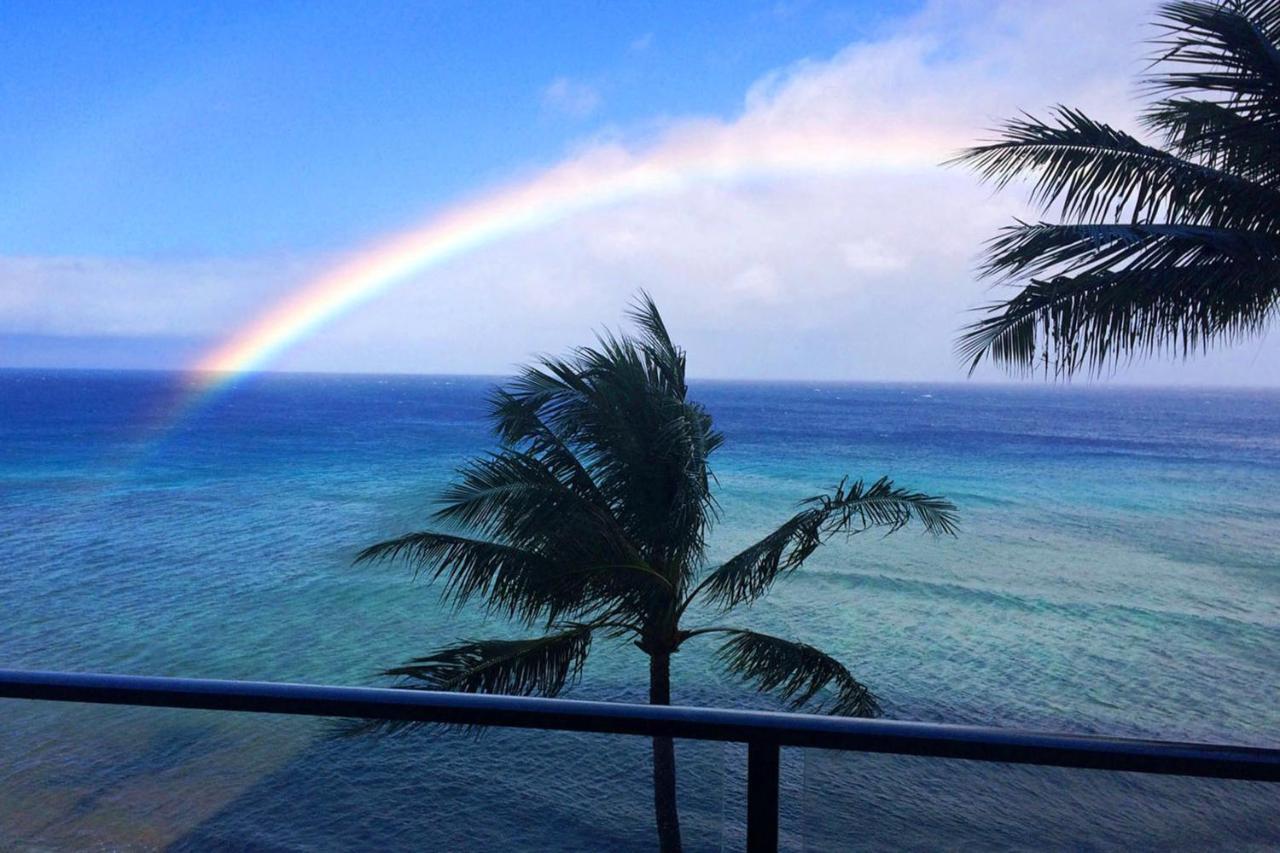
x=1117 y=571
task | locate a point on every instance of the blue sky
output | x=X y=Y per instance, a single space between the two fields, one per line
x=227 y=128
x=172 y=170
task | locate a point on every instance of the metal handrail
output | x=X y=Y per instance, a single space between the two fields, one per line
x=764 y=732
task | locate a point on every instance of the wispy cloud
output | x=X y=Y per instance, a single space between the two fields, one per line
x=570 y=97
x=67 y=296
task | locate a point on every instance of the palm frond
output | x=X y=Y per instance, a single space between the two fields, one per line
x=520 y=427
x=1045 y=248
x=1228 y=49
x=518 y=498
x=856 y=507
x=797 y=673
x=1162 y=251
x=519 y=584
x=644 y=313
x=1090 y=171
x=509 y=492
x=1111 y=292
x=1091 y=322
x=666 y=361
x=511 y=581
x=541 y=666
x=621 y=408
x=1219 y=137
x=850 y=509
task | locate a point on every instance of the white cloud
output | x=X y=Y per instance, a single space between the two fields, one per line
x=121 y=297
x=871 y=256
x=863 y=275
x=867 y=274
x=571 y=97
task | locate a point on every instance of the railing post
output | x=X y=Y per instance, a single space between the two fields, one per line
x=763 y=757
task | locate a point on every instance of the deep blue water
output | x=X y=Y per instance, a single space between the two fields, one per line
x=1117 y=571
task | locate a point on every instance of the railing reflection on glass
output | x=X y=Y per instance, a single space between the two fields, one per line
x=765 y=733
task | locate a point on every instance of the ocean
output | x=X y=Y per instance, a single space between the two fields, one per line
x=1117 y=571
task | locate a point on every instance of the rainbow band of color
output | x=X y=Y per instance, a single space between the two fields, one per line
x=549 y=198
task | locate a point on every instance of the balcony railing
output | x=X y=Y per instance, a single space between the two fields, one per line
x=764 y=733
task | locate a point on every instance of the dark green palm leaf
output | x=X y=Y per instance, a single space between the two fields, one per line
x=1220 y=137
x=1162 y=251
x=621 y=408
x=542 y=666
x=1089 y=170
x=797 y=673
x=1226 y=49
x=521 y=427
x=514 y=493
x=849 y=509
x=1086 y=322
x=524 y=585
x=1045 y=249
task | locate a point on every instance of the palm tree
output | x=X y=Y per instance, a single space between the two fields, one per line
x=591 y=521
x=1166 y=248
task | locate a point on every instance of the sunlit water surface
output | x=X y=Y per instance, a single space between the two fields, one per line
x=1117 y=572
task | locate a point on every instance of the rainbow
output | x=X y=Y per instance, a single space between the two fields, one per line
x=558 y=194
x=605 y=178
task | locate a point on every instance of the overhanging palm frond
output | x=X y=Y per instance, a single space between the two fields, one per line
x=1161 y=251
x=796 y=672
x=1090 y=171
x=1095 y=319
x=1218 y=136
x=1044 y=248
x=1228 y=49
x=851 y=508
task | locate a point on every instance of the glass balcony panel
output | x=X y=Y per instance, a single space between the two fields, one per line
x=86 y=776
x=880 y=802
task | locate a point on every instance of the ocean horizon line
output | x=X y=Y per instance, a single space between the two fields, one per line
x=1087 y=385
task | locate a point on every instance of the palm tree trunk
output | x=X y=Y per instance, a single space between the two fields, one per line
x=664 y=759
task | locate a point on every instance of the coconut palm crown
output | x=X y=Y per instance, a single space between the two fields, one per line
x=1166 y=248
x=590 y=523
